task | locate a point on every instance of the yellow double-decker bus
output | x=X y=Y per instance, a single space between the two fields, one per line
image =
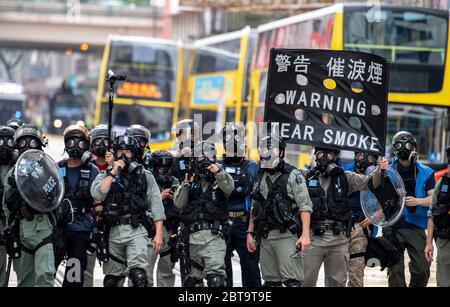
x=218 y=77
x=414 y=40
x=150 y=96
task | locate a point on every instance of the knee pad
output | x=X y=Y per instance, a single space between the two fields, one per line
x=215 y=280
x=292 y=283
x=192 y=282
x=271 y=284
x=138 y=278
x=111 y=281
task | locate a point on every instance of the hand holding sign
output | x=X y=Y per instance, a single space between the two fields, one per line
x=332 y=99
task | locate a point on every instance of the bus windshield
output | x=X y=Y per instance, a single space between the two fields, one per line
x=151 y=70
x=413 y=40
x=157 y=119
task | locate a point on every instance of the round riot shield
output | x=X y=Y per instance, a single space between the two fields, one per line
x=383 y=205
x=39 y=180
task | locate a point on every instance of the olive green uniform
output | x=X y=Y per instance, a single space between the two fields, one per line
x=3 y=224
x=279 y=258
x=331 y=249
x=165 y=277
x=443 y=250
x=38 y=269
x=128 y=244
x=205 y=248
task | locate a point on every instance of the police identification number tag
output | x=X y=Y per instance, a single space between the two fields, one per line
x=63 y=171
x=182 y=165
x=313 y=183
x=230 y=170
x=444 y=188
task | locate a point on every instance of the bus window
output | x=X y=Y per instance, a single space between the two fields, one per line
x=230 y=115
x=150 y=69
x=158 y=120
x=414 y=42
x=425 y=123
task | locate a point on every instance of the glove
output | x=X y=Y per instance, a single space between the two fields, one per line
x=12 y=243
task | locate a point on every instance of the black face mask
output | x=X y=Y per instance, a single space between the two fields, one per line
x=201 y=167
x=75 y=147
x=233 y=160
x=162 y=175
x=6 y=155
x=323 y=162
x=99 y=147
x=125 y=160
x=405 y=155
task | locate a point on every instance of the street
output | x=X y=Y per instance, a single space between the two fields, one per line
x=373 y=276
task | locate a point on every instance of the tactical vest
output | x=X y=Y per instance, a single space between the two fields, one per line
x=277 y=210
x=334 y=204
x=207 y=206
x=441 y=210
x=242 y=184
x=171 y=212
x=81 y=197
x=127 y=199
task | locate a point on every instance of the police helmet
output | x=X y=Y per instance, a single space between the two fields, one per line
x=99 y=131
x=76 y=131
x=30 y=131
x=404 y=140
x=161 y=158
x=205 y=149
x=138 y=131
x=15 y=123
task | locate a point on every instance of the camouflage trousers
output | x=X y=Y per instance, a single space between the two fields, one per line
x=356 y=265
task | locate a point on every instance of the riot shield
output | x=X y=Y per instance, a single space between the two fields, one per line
x=39 y=180
x=383 y=205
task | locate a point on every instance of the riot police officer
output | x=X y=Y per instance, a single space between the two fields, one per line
x=15 y=123
x=99 y=145
x=161 y=163
x=6 y=162
x=78 y=173
x=132 y=203
x=439 y=227
x=203 y=200
x=244 y=173
x=409 y=230
x=331 y=221
x=187 y=133
x=142 y=136
x=363 y=163
x=37 y=263
x=280 y=216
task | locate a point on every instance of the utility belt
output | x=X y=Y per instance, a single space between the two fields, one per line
x=216 y=227
x=239 y=217
x=129 y=219
x=336 y=227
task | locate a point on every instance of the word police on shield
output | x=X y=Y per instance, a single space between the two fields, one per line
x=334 y=99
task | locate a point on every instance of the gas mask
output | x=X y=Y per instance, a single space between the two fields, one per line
x=201 y=166
x=405 y=150
x=130 y=163
x=325 y=162
x=162 y=174
x=27 y=142
x=6 y=150
x=76 y=147
x=99 y=147
x=271 y=158
x=363 y=161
